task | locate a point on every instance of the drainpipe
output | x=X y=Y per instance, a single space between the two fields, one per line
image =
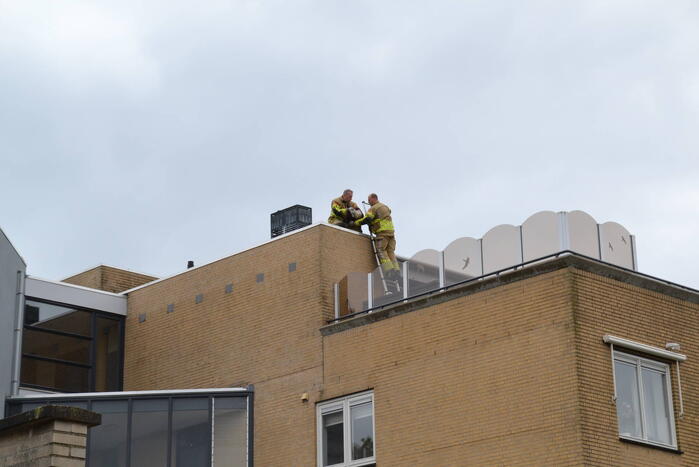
x=19 y=323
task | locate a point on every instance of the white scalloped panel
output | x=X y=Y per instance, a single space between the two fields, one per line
x=462 y=260
x=501 y=248
x=428 y=256
x=541 y=235
x=582 y=232
x=615 y=241
x=423 y=271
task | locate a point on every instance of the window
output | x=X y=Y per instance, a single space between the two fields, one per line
x=644 y=400
x=346 y=431
x=158 y=429
x=67 y=349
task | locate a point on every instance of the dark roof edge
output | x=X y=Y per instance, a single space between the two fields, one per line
x=49 y=413
x=569 y=260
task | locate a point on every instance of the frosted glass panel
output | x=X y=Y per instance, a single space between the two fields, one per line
x=353 y=293
x=385 y=291
x=541 y=235
x=616 y=244
x=462 y=260
x=423 y=272
x=582 y=234
x=501 y=248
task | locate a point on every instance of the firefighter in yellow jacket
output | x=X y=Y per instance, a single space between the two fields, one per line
x=344 y=211
x=381 y=225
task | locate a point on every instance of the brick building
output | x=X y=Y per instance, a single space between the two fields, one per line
x=559 y=358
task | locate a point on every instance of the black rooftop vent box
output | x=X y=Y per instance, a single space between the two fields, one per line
x=291 y=218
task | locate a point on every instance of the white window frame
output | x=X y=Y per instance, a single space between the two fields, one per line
x=344 y=404
x=639 y=363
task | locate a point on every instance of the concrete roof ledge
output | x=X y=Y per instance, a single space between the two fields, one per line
x=275 y=239
x=61 y=292
x=49 y=413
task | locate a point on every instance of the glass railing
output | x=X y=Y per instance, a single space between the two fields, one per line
x=503 y=248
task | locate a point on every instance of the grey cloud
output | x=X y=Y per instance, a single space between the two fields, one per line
x=143 y=135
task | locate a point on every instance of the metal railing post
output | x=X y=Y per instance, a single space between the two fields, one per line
x=634 y=258
x=405 y=279
x=336 y=293
x=370 y=291
x=442 y=280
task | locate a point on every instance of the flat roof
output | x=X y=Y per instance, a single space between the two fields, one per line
x=75 y=295
x=286 y=235
x=114 y=394
x=109 y=266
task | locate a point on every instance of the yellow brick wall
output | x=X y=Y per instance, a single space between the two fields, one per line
x=483 y=380
x=109 y=279
x=516 y=375
x=266 y=334
x=91 y=278
x=606 y=306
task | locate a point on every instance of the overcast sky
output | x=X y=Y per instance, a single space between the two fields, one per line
x=145 y=134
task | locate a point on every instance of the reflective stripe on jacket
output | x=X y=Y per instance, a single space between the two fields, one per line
x=379 y=217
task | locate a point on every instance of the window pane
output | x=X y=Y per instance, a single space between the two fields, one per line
x=230 y=432
x=107 y=355
x=60 y=376
x=362 y=431
x=108 y=440
x=333 y=439
x=56 y=317
x=149 y=433
x=45 y=344
x=627 y=403
x=655 y=405
x=191 y=432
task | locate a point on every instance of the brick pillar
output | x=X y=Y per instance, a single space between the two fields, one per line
x=46 y=437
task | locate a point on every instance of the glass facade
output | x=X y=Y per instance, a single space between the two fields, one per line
x=107 y=441
x=193 y=429
x=65 y=349
x=149 y=429
x=191 y=433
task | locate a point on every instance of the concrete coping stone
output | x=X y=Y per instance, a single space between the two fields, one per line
x=48 y=413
